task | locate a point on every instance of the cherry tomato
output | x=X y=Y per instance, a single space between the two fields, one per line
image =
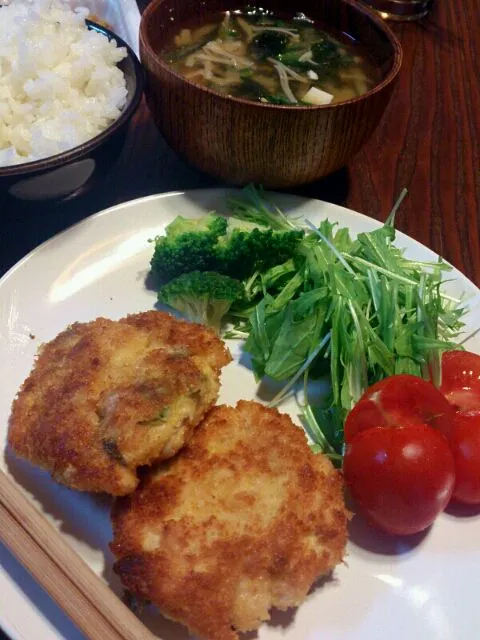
x=400 y=478
x=465 y=446
x=399 y=401
x=461 y=379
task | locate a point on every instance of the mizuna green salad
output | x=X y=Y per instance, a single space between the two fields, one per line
x=309 y=302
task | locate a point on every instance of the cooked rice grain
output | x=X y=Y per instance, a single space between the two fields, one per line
x=59 y=81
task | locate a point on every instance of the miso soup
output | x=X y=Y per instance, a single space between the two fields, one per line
x=257 y=55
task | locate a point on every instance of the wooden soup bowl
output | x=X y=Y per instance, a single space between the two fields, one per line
x=242 y=141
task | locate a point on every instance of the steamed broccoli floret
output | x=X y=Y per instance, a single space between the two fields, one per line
x=235 y=248
x=203 y=297
x=241 y=253
x=211 y=223
x=189 y=245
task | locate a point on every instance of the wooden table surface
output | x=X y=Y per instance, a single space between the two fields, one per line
x=428 y=141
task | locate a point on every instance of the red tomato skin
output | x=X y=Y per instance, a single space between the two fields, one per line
x=461 y=379
x=400 y=478
x=399 y=401
x=465 y=446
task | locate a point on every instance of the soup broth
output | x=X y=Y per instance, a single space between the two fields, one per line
x=257 y=55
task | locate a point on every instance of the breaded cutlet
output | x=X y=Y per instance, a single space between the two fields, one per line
x=106 y=397
x=243 y=519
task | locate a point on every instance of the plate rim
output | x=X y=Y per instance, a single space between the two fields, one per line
x=218 y=192
x=226 y=189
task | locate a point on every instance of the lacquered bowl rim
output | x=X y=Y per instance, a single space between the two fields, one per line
x=356 y=6
x=66 y=157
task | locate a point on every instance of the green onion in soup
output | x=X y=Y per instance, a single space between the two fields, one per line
x=260 y=56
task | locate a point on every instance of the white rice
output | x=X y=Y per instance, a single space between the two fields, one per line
x=59 y=83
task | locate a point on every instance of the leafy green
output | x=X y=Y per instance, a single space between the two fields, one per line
x=358 y=305
x=253 y=207
x=328 y=56
x=323 y=426
x=354 y=310
x=292 y=343
x=291 y=58
x=268 y=44
x=277 y=98
x=246 y=73
x=250 y=88
x=325 y=56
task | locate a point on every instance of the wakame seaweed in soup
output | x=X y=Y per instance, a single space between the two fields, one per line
x=255 y=55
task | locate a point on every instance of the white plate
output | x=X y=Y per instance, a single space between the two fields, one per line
x=423 y=587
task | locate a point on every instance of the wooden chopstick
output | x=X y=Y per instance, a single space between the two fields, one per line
x=84 y=597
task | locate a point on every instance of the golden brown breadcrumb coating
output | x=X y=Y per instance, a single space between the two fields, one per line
x=105 y=397
x=243 y=519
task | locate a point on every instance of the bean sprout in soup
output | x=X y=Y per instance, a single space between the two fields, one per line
x=260 y=56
